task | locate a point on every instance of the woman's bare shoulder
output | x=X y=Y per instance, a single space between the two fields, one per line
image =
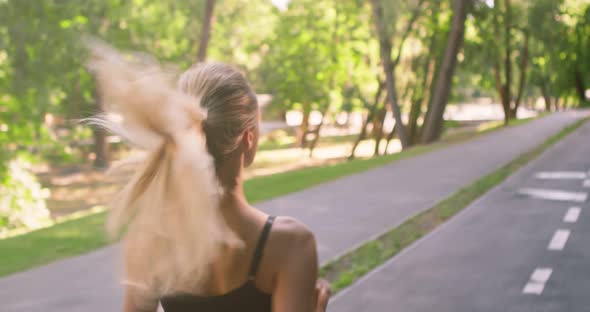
x=289 y=230
x=291 y=251
x=291 y=238
x=290 y=243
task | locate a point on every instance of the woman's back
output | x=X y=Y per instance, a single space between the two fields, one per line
x=275 y=263
x=247 y=297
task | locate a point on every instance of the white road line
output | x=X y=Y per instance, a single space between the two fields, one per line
x=559 y=239
x=572 y=214
x=537 y=281
x=559 y=195
x=561 y=175
x=586 y=183
x=533 y=288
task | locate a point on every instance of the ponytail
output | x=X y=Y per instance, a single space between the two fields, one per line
x=169 y=210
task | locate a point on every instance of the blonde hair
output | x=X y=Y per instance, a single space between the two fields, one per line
x=169 y=210
x=230 y=103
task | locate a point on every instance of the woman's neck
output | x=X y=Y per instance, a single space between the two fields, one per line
x=230 y=178
x=234 y=205
x=234 y=195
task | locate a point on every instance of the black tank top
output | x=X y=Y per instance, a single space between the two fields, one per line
x=244 y=298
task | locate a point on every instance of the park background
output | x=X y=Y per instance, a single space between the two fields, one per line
x=344 y=85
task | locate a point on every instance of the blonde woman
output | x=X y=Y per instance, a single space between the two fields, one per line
x=191 y=240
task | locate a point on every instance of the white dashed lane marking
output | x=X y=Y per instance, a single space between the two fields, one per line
x=559 y=239
x=572 y=214
x=561 y=175
x=536 y=284
x=558 y=195
x=540 y=276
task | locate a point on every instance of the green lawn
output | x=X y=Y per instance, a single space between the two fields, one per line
x=346 y=269
x=279 y=139
x=84 y=234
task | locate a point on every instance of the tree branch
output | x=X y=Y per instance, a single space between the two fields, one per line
x=408 y=30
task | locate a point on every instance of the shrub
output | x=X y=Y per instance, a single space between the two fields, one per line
x=22 y=199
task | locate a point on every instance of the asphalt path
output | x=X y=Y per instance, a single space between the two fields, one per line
x=508 y=251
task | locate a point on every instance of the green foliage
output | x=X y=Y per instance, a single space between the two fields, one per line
x=313 y=53
x=42 y=70
x=240 y=32
x=559 y=44
x=22 y=199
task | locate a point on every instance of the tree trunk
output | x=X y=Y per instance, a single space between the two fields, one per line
x=361 y=135
x=378 y=123
x=546 y=96
x=385 y=52
x=317 y=130
x=415 y=112
x=389 y=138
x=418 y=102
x=370 y=116
x=101 y=146
x=557 y=103
x=205 y=30
x=301 y=137
x=523 y=74
x=432 y=130
x=580 y=87
x=507 y=60
x=505 y=103
x=503 y=88
x=425 y=101
x=430 y=91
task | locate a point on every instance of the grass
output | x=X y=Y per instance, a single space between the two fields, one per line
x=280 y=139
x=79 y=235
x=288 y=141
x=450 y=124
x=62 y=240
x=346 y=269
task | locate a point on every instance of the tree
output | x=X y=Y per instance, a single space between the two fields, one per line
x=205 y=30
x=311 y=57
x=370 y=116
x=433 y=127
x=579 y=59
x=388 y=68
x=421 y=65
x=503 y=45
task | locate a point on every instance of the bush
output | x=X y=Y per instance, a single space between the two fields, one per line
x=22 y=199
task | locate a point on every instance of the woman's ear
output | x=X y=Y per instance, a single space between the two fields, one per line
x=249 y=144
x=248 y=139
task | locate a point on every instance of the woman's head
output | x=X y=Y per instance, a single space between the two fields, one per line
x=169 y=210
x=231 y=126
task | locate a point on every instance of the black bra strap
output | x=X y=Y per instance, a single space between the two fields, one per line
x=260 y=248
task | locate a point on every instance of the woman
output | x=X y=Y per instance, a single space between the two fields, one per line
x=192 y=241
